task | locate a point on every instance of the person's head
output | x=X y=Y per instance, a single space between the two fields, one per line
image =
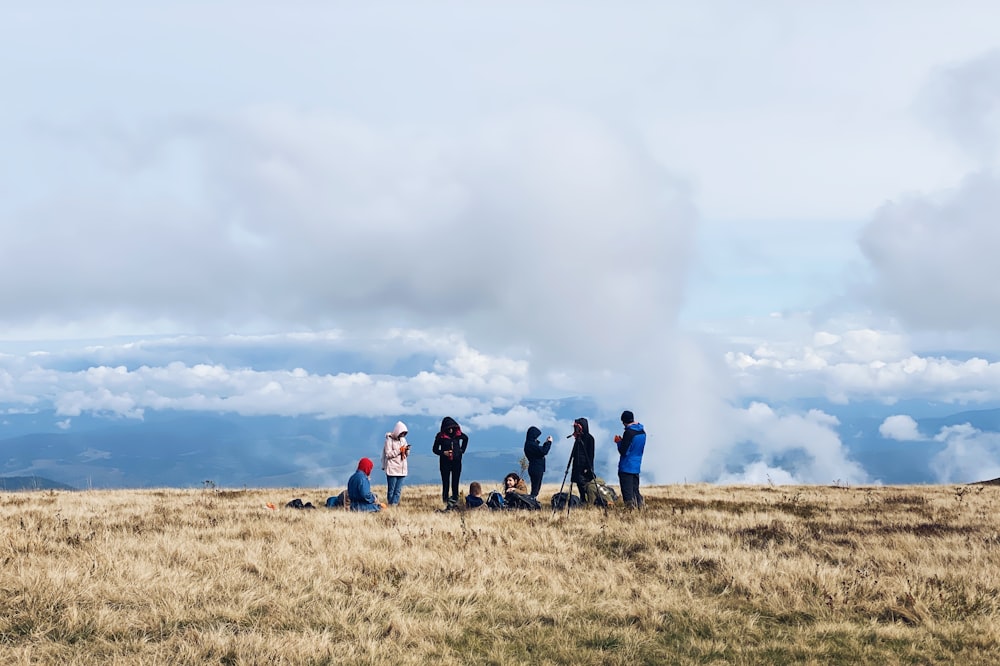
x=628 y=417
x=365 y=465
x=581 y=427
x=475 y=489
x=450 y=427
x=533 y=434
x=399 y=431
x=511 y=481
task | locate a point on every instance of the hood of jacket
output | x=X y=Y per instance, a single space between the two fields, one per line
x=398 y=430
x=583 y=425
x=533 y=435
x=448 y=422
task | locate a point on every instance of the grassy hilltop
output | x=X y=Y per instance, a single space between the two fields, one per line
x=705 y=575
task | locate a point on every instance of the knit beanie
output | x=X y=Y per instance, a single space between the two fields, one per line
x=366 y=465
x=627 y=417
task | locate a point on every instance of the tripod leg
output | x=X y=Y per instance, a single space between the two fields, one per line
x=563 y=485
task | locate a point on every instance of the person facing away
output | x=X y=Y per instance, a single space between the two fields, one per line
x=631 y=444
x=474 y=500
x=450 y=445
x=394 y=455
x=359 y=490
x=512 y=483
x=535 y=453
x=583 y=459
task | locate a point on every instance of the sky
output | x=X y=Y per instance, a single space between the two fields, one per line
x=702 y=212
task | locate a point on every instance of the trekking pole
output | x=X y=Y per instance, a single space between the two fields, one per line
x=569 y=464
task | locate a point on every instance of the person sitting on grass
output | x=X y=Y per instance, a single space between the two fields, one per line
x=359 y=489
x=474 y=500
x=512 y=483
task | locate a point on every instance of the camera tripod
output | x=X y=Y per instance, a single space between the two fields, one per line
x=593 y=479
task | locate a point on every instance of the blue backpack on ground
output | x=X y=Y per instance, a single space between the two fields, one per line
x=495 y=500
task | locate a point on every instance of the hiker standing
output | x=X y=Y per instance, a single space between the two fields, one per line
x=631 y=444
x=394 y=455
x=359 y=490
x=535 y=453
x=583 y=459
x=450 y=444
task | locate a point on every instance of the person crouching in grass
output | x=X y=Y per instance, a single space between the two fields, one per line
x=359 y=489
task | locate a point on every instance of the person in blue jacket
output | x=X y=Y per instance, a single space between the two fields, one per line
x=535 y=453
x=359 y=489
x=631 y=444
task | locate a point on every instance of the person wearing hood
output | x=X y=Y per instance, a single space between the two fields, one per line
x=394 y=455
x=535 y=453
x=359 y=489
x=631 y=444
x=450 y=445
x=583 y=459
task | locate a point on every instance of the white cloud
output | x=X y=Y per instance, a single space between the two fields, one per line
x=969 y=455
x=862 y=364
x=900 y=427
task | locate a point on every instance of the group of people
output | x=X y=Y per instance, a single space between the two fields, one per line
x=450 y=445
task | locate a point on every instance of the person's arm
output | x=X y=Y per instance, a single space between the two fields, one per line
x=366 y=491
x=437 y=446
x=465 y=442
x=546 y=446
x=391 y=448
x=625 y=441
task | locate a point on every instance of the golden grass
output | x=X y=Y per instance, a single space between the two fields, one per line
x=705 y=575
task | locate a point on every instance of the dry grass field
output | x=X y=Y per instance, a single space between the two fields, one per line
x=705 y=575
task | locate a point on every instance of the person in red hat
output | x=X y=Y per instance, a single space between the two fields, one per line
x=359 y=489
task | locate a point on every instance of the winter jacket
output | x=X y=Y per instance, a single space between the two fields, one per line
x=519 y=487
x=393 y=452
x=451 y=438
x=583 y=454
x=535 y=452
x=359 y=490
x=630 y=449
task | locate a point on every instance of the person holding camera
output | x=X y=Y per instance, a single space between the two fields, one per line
x=631 y=445
x=583 y=460
x=394 y=454
x=450 y=445
x=535 y=453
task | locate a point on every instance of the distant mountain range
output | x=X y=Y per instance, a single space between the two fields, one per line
x=14 y=483
x=189 y=450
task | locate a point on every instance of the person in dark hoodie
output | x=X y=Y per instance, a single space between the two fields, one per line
x=631 y=444
x=450 y=444
x=535 y=453
x=583 y=459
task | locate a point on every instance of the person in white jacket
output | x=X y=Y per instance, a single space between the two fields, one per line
x=394 y=455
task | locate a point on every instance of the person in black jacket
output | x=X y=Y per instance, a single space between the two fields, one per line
x=450 y=445
x=583 y=458
x=535 y=453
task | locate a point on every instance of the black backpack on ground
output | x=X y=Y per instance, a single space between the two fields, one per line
x=559 y=501
x=522 y=501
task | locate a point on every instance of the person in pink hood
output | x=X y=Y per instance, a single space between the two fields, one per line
x=394 y=455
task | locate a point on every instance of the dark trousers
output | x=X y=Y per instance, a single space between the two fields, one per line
x=536 y=481
x=450 y=477
x=629 y=484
